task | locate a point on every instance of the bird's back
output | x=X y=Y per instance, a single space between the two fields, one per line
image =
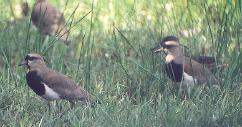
x=48 y=12
x=199 y=72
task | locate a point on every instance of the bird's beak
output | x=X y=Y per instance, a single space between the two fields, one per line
x=157 y=49
x=23 y=63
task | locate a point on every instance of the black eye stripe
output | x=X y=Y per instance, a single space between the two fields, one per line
x=29 y=58
x=168 y=46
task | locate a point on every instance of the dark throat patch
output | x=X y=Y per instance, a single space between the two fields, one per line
x=174 y=71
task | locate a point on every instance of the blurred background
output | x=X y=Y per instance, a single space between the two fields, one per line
x=110 y=56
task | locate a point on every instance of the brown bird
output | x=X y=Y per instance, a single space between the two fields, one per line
x=25 y=9
x=182 y=69
x=49 y=21
x=52 y=85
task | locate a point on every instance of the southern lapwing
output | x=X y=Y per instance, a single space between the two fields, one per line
x=49 y=21
x=25 y=9
x=182 y=69
x=52 y=85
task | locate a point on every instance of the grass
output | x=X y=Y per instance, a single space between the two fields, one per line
x=110 y=57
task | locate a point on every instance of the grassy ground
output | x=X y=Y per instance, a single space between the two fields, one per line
x=110 y=57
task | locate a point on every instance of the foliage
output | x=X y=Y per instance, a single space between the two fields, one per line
x=110 y=57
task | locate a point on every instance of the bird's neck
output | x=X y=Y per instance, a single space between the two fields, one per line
x=178 y=58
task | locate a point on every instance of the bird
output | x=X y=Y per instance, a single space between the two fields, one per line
x=181 y=69
x=25 y=9
x=52 y=85
x=49 y=21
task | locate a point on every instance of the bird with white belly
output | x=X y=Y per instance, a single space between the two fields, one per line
x=182 y=70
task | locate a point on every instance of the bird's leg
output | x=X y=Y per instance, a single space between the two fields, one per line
x=49 y=107
x=54 y=105
x=188 y=92
x=72 y=103
x=180 y=89
x=41 y=42
x=57 y=105
x=43 y=38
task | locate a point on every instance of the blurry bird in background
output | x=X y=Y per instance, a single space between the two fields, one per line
x=25 y=9
x=47 y=19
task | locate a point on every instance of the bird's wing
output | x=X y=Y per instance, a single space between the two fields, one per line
x=198 y=71
x=65 y=86
x=204 y=59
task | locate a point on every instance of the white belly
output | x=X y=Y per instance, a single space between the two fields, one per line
x=50 y=94
x=188 y=81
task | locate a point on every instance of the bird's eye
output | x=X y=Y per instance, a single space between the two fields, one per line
x=28 y=58
x=165 y=46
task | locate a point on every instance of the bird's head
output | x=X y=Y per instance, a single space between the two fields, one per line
x=169 y=45
x=32 y=60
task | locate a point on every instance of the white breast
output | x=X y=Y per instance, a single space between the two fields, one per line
x=50 y=94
